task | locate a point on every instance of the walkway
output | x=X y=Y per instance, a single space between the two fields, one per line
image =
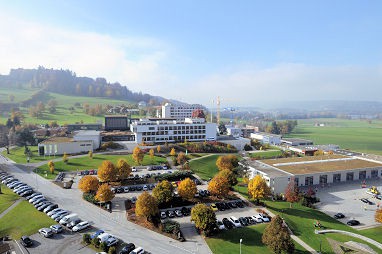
x=11 y=207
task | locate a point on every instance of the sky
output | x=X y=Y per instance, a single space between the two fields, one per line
x=249 y=53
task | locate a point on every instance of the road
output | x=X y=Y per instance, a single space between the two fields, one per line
x=114 y=223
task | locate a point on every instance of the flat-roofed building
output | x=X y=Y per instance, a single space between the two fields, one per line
x=179 y=111
x=88 y=126
x=117 y=122
x=296 y=142
x=267 y=138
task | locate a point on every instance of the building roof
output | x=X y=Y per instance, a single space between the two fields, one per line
x=270 y=171
x=296 y=140
x=87 y=133
x=54 y=140
x=320 y=164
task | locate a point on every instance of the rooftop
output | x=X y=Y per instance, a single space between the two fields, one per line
x=54 y=140
x=267 y=169
x=296 y=140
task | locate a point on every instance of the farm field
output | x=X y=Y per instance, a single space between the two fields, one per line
x=355 y=135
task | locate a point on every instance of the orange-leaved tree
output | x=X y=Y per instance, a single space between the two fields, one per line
x=107 y=172
x=258 y=188
x=88 y=184
x=181 y=159
x=151 y=153
x=158 y=148
x=51 y=166
x=292 y=192
x=163 y=191
x=227 y=162
x=138 y=155
x=123 y=169
x=230 y=175
x=187 y=189
x=219 y=186
x=378 y=215
x=104 y=193
x=146 y=205
x=173 y=152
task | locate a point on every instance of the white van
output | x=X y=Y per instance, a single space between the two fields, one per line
x=138 y=250
x=68 y=218
x=235 y=221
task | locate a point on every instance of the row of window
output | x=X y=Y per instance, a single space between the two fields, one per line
x=174 y=138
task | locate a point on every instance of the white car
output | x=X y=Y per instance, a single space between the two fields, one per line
x=35 y=198
x=220 y=224
x=57 y=215
x=235 y=221
x=257 y=219
x=46 y=232
x=80 y=226
x=133 y=169
x=263 y=217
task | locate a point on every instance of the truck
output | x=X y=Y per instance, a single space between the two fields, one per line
x=68 y=218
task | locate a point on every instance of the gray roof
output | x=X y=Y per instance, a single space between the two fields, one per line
x=272 y=172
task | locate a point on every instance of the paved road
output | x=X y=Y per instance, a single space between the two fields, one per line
x=114 y=223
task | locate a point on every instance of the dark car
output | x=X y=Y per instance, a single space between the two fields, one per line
x=132 y=188
x=243 y=221
x=365 y=200
x=339 y=216
x=170 y=214
x=139 y=188
x=227 y=223
x=239 y=204
x=220 y=206
x=250 y=220
x=226 y=206
x=73 y=223
x=232 y=204
x=127 y=248
x=26 y=241
x=186 y=211
x=353 y=222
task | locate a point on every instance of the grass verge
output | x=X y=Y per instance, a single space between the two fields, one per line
x=205 y=167
x=17 y=155
x=7 y=198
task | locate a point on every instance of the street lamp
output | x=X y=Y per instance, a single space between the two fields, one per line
x=240 y=244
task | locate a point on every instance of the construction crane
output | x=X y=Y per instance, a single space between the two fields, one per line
x=218 y=102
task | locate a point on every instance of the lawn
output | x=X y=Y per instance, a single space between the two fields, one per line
x=17 y=155
x=355 y=135
x=7 y=198
x=205 y=167
x=268 y=154
x=83 y=163
x=228 y=241
x=24 y=219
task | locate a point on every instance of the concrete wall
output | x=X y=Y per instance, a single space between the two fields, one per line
x=68 y=147
x=96 y=139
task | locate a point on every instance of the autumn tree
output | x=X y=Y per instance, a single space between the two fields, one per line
x=90 y=154
x=198 y=113
x=219 y=186
x=88 y=184
x=204 y=218
x=378 y=215
x=229 y=175
x=104 y=193
x=151 y=153
x=146 y=206
x=181 y=159
x=123 y=169
x=138 y=155
x=65 y=158
x=51 y=166
x=173 y=152
x=158 y=148
x=107 y=171
x=319 y=153
x=227 y=162
x=163 y=191
x=292 y=192
x=258 y=188
x=276 y=236
x=187 y=189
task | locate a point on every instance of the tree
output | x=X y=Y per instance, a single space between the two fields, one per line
x=107 y=172
x=158 y=148
x=90 y=154
x=88 y=184
x=123 y=169
x=198 y=113
x=378 y=215
x=227 y=162
x=181 y=159
x=292 y=192
x=219 y=186
x=65 y=158
x=146 y=205
x=104 y=193
x=51 y=166
x=276 y=236
x=229 y=175
x=151 y=153
x=173 y=152
x=258 y=188
x=138 y=155
x=204 y=218
x=187 y=189
x=319 y=153
x=163 y=191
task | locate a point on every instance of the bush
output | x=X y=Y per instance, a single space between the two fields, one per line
x=90 y=197
x=95 y=242
x=103 y=246
x=86 y=238
x=176 y=176
x=112 y=250
x=110 y=145
x=170 y=227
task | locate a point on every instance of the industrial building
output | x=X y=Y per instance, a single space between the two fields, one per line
x=313 y=170
x=161 y=131
x=179 y=111
x=267 y=138
x=296 y=142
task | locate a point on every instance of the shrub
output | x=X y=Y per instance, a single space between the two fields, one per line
x=86 y=238
x=103 y=246
x=110 y=145
x=174 y=176
x=89 y=196
x=112 y=250
x=95 y=242
x=171 y=227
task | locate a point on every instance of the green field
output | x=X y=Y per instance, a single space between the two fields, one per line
x=7 y=198
x=355 y=135
x=17 y=155
x=205 y=167
x=23 y=219
x=83 y=163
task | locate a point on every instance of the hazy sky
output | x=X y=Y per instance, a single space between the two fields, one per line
x=254 y=53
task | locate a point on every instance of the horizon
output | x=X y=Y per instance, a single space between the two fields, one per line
x=251 y=54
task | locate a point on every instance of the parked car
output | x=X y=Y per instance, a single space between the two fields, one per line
x=33 y=195
x=56 y=228
x=26 y=193
x=133 y=169
x=145 y=188
x=220 y=225
x=339 y=216
x=35 y=198
x=127 y=248
x=239 y=204
x=232 y=204
x=46 y=232
x=23 y=190
x=138 y=250
x=26 y=241
x=250 y=220
x=243 y=221
x=178 y=213
x=59 y=214
x=73 y=223
x=81 y=226
x=264 y=217
x=43 y=206
x=257 y=218
x=214 y=207
x=227 y=223
x=163 y=215
x=353 y=222
x=235 y=221
x=50 y=208
x=186 y=211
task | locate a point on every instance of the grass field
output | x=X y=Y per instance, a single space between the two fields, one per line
x=7 y=198
x=17 y=155
x=85 y=162
x=265 y=154
x=355 y=135
x=23 y=219
x=205 y=167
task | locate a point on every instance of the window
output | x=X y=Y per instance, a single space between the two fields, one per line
x=350 y=176
x=336 y=178
x=308 y=180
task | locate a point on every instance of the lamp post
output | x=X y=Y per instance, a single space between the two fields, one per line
x=320 y=245
x=240 y=244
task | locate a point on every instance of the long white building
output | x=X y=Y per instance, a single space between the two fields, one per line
x=161 y=131
x=179 y=111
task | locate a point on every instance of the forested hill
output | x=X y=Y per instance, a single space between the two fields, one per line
x=66 y=82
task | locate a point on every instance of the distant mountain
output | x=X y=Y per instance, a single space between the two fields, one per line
x=66 y=82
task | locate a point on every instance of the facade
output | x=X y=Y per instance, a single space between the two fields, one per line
x=179 y=111
x=296 y=142
x=161 y=131
x=233 y=131
x=60 y=145
x=313 y=171
x=238 y=143
x=247 y=131
x=120 y=123
x=267 y=138
x=78 y=127
x=94 y=136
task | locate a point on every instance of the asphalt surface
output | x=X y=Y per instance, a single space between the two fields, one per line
x=114 y=223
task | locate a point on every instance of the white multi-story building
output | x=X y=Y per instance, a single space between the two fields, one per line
x=267 y=138
x=179 y=111
x=161 y=131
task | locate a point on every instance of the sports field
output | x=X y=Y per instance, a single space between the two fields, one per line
x=356 y=135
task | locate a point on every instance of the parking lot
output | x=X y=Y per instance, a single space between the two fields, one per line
x=345 y=198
